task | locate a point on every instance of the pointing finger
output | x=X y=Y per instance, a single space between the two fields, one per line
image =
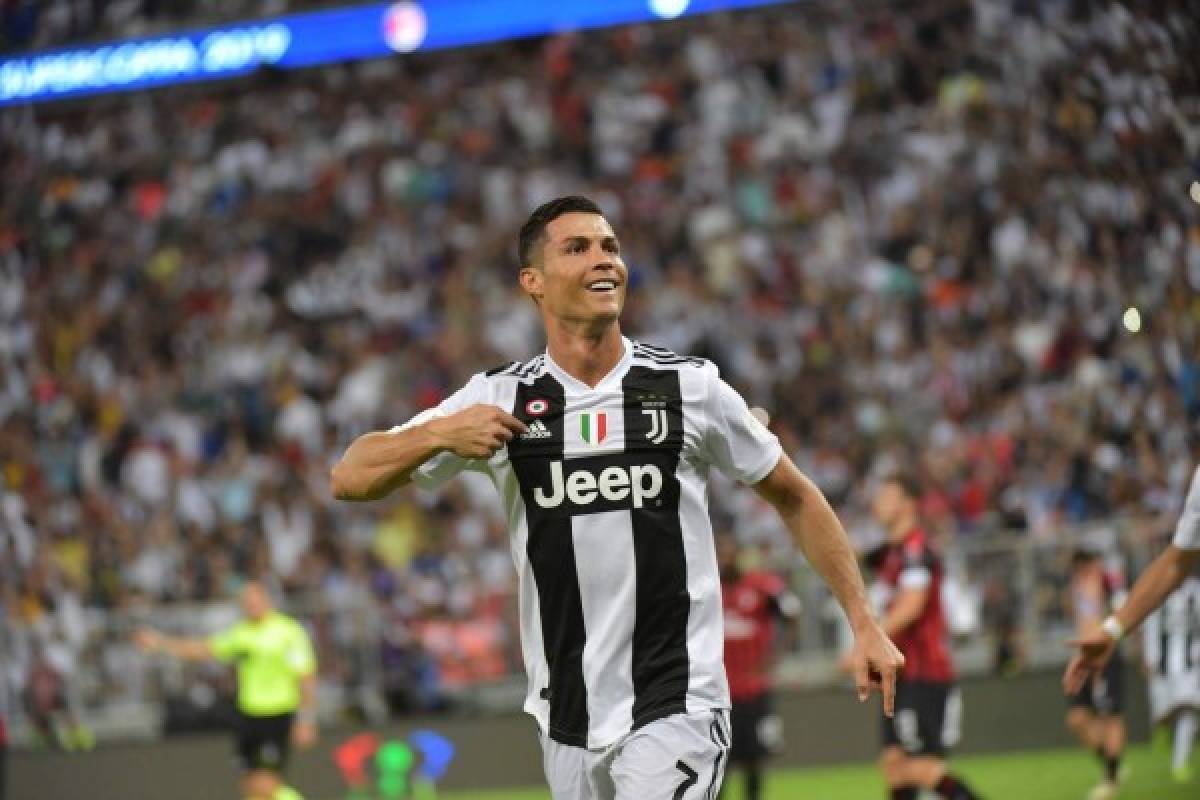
x=889 y=690
x=509 y=421
x=862 y=683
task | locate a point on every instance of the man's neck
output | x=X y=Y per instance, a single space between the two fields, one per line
x=586 y=356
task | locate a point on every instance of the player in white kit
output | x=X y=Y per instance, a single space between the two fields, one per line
x=1164 y=575
x=1171 y=650
x=600 y=448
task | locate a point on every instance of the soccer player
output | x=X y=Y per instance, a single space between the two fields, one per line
x=928 y=719
x=1164 y=575
x=277 y=687
x=1094 y=712
x=1171 y=651
x=600 y=448
x=755 y=603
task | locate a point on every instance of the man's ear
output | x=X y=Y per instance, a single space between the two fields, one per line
x=532 y=280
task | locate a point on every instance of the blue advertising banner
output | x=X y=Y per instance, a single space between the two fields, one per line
x=304 y=40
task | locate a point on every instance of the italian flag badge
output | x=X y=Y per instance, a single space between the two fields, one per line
x=593 y=426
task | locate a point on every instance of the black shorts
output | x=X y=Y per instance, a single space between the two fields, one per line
x=757 y=729
x=1103 y=694
x=262 y=742
x=928 y=720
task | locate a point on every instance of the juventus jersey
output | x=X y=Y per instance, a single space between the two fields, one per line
x=1171 y=635
x=619 y=592
x=1187 y=532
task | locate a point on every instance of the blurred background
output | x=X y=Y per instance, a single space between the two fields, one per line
x=950 y=236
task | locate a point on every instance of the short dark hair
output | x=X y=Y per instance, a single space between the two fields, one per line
x=1083 y=556
x=907 y=482
x=535 y=227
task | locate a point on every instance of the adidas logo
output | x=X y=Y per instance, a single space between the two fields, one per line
x=537 y=430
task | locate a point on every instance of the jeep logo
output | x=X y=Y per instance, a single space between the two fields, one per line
x=614 y=484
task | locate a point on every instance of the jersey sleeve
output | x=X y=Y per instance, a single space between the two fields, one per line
x=226 y=645
x=734 y=441
x=444 y=466
x=1187 y=532
x=301 y=657
x=916 y=571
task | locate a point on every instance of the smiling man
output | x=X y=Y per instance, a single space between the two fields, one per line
x=600 y=448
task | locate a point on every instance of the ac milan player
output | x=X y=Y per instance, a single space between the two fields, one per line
x=1094 y=712
x=754 y=603
x=928 y=705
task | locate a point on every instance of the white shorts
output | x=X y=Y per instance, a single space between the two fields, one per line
x=1173 y=692
x=680 y=757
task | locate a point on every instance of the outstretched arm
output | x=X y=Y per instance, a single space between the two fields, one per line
x=814 y=526
x=378 y=463
x=1097 y=644
x=1164 y=575
x=184 y=649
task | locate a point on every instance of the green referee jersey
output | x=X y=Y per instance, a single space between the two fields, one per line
x=272 y=656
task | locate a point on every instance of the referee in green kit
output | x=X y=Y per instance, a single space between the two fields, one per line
x=277 y=687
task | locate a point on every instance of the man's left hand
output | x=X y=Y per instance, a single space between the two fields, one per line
x=1094 y=648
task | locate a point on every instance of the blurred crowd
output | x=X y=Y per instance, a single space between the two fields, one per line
x=33 y=24
x=954 y=236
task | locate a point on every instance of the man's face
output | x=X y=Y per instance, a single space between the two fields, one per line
x=255 y=601
x=581 y=276
x=888 y=503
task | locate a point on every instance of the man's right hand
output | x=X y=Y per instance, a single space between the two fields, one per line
x=477 y=432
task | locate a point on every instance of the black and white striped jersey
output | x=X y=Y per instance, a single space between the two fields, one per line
x=1187 y=532
x=606 y=498
x=1171 y=634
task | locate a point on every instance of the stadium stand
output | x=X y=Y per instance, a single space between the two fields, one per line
x=34 y=24
x=949 y=235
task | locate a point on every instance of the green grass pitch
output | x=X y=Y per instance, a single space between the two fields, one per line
x=1043 y=775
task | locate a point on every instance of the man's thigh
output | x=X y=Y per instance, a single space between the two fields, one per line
x=681 y=757
x=574 y=773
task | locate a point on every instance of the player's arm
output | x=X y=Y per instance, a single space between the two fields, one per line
x=378 y=463
x=184 y=649
x=303 y=658
x=785 y=610
x=906 y=609
x=304 y=729
x=1164 y=575
x=820 y=536
x=1096 y=645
